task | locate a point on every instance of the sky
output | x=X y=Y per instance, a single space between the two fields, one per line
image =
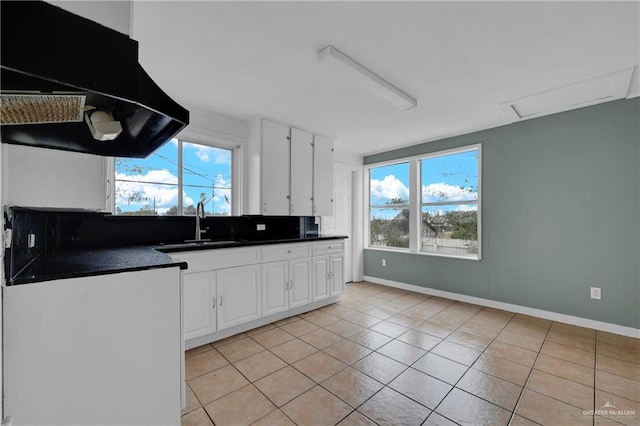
x=152 y=182
x=447 y=178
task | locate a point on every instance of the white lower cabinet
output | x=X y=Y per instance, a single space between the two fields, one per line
x=336 y=274
x=328 y=276
x=265 y=281
x=320 y=277
x=286 y=284
x=220 y=299
x=200 y=297
x=238 y=295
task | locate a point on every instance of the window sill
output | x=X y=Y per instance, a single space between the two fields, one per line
x=422 y=253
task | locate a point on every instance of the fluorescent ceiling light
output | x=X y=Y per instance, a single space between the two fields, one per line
x=371 y=80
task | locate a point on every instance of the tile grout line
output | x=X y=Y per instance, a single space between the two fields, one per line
x=471 y=366
x=515 y=408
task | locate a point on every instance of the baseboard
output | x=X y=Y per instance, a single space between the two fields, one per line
x=539 y=313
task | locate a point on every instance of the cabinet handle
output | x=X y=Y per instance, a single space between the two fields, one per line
x=290 y=284
x=213 y=303
x=292 y=209
x=289 y=251
x=220 y=304
x=265 y=207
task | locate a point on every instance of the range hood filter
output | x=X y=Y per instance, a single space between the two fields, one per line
x=40 y=108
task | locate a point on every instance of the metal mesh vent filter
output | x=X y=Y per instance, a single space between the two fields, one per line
x=40 y=109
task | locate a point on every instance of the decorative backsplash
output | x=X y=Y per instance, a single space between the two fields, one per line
x=35 y=231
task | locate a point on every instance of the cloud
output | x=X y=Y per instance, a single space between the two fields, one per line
x=155 y=188
x=387 y=189
x=207 y=154
x=445 y=192
x=220 y=204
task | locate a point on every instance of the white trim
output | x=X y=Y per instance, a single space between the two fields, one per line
x=519 y=309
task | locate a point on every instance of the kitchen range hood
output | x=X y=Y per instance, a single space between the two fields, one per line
x=69 y=83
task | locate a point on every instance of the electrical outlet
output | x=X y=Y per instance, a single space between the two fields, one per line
x=596 y=293
x=261 y=227
x=31 y=240
x=384 y=263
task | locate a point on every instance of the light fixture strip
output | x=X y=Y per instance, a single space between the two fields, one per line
x=388 y=92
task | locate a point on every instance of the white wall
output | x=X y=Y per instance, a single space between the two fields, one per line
x=40 y=177
x=214 y=126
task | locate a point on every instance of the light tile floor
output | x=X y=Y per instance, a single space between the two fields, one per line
x=393 y=357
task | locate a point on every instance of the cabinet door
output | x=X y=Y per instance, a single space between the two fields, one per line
x=301 y=176
x=239 y=295
x=337 y=274
x=300 y=278
x=199 y=307
x=275 y=169
x=322 y=176
x=320 y=277
x=275 y=282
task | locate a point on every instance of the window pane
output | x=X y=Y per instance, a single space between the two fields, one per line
x=452 y=177
x=206 y=176
x=389 y=227
x=451 y=229
x=389 y=184
x=148 y=186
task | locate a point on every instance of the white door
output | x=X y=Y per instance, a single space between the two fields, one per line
x=300 y=277
x=275 y=280
x=301 y=176
x=275 y=169
x=322 y=176
x=320 y=277
x=337 y=274
x=238 y=295
x=341 y=221
x=199 y=306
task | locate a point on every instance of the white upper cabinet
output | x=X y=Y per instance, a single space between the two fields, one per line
x=301 y=178
x=287 y=170
x=275 y=169
x=322 y=176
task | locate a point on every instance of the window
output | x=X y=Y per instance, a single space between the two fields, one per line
x=449 y=204
x=389 y=206
x=428 y=204
x=151 y=186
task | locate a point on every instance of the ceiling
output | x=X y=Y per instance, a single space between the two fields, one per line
x=458 y=59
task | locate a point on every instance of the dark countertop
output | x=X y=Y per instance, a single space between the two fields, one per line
x=74 y=263
x=208 y=245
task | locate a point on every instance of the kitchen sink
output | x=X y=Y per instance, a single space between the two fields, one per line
x=201 y=243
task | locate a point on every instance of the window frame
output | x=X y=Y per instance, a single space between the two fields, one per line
x=415 y=202
x=236 y=172
x=367 y=191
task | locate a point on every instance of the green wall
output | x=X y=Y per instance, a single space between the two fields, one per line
x=560 y=214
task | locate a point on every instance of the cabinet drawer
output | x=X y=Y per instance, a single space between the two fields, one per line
x=209 y=260
x=273 y=253
x=328 y=247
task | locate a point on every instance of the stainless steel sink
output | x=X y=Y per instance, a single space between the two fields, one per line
x=193 y=244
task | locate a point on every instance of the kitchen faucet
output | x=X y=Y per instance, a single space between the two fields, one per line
x=200 y=214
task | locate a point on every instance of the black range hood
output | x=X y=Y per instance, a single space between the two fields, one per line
x=49 y=54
